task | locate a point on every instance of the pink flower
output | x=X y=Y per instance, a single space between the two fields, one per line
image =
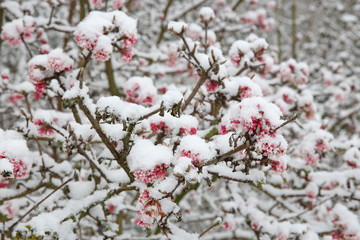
x=211 y=86
x=40 y=87
x=194 y=156
x=111 y=208
x=126 y=56
x=117 y=4
x=102 y=55
x=103 y=48
x=19 y=168
x=151 y=175
x=277 y=166
x=15 y=98
x=149 y=209
x=228 y=225
x=44 y=128
x=235 y=59
x=86 y=41
x=97 y=3
x=159 y=126
x=223 y=130
x=58 y=64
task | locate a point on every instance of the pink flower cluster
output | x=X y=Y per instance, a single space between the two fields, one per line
x=141 y=91
x=149 y=209
x=100 y=38
x=211 y=86
x=193 y=156
x=259 y=18
x=44 y=128
x=257 y=126
x=294 y=72
x=315 y=149
x=155 y=127
x=19 y=167
x=151 y=175
x=186 y=131
x=12 y=31
x=15 y=98
x=278 y=166
x=42 y=67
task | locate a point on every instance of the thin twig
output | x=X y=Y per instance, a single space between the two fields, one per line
x=230 y=178
x=211 y=227
x=150 y=114
x=293 y=118
x=237 y=4
x=51 y=15
x=36 y=205
x=215 y=160
x=27 y=47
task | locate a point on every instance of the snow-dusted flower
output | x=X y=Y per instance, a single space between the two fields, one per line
x=12 y=31
x=148 y=209
x=151 y=175
x=44 y=128
x=19 y=168
x=103 y=49
x=207 y=15
x=58 y=61
x=140 y=90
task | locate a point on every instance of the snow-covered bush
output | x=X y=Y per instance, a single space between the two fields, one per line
x=129 y=119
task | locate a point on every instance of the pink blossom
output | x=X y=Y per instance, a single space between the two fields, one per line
x=235 y=59
x=129 y=42
x=151 y=175
x=44 y=128
x=4 y=184
x=15 y=98
x=185 y=131
x=277 y=166
x=228 y=225
x=19 y=168
x=211 y=86
x=12 y=31
x=102 y=55
x=126 y=56
x=223 y=130
x=40 y=87
x=159 y=126
x=321 y=146
x=117 y=4
x=44 y=49
x=85 y=41
x=98 y=3
x=59 y=63
x=194 y=156
x=149 y=209
x=111 y=208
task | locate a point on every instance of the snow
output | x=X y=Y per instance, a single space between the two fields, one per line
x=5 y=166
x=207 y=14
x=145 y=155
x=180 y=234
x=221 y=169
x=171 y=97
x=79 y=190
x=177 y=27
x=121 y=109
